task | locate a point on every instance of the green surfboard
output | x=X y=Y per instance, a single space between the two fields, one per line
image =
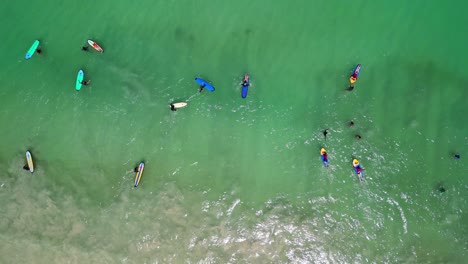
x=32 y=49
x=79 y=79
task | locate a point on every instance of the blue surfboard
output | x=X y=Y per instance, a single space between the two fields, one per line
x=245 y=86
x=206 y=85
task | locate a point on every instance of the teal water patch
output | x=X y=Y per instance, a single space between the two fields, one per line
x=227 y=179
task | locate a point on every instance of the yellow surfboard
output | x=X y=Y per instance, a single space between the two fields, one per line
x=139 y=173
x=29 y=159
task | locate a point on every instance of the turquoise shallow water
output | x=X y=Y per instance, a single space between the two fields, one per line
x=231 y=180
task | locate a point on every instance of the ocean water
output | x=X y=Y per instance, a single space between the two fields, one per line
x=232 y=180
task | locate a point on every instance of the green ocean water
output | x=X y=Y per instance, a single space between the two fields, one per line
x=232 y=180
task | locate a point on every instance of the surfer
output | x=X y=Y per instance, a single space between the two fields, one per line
x=84 y=48
x=358 y=137
x=325 y=158
x=173 y=107
x=325 y=132
x=440 y=187
x=245 y=83
x=135 y=169
x=26 y=167
x=350 y=88
x=39 y=50
x=86 y=82
x=359 y=172
x=201 y=88
x=456 y=156
x=351 y=123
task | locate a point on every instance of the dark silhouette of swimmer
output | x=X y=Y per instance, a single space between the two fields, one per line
x=135 y=169
x=26 y=167
x=350 y=88
x=173 y=107
x=440 y=187
x=85 y=82
x=201 y=88
x=39 y=50
x=351 y=123
x=84 y=48
x=456 y=156
x=325 y=132
x=358 y=137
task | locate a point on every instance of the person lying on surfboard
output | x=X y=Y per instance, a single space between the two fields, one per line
x=324 y=157
x=359 y=172
x=173 y=107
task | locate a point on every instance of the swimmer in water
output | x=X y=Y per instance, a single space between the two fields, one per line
x=325 y=132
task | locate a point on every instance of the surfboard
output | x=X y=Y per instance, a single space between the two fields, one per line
x=79 y=79
x=245 y=88
x=32 y=49
x=138 y=174
x=179 y=105
x=354 y=76
x=29 y=160
x=206 y=85
x=95 y=46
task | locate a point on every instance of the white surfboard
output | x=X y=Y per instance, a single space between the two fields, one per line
x=30 y=161
x=179 y=105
